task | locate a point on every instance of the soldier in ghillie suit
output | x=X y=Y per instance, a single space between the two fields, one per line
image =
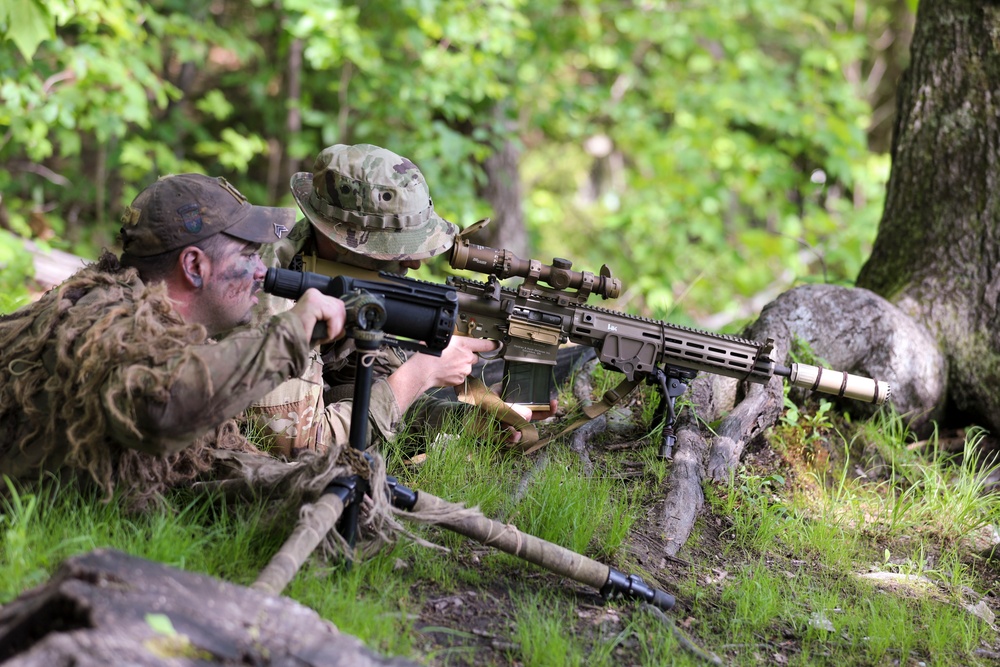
x=116 y=373
x=365 y=208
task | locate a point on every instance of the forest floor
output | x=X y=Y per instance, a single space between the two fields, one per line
x=475 y=622
x=833 y=544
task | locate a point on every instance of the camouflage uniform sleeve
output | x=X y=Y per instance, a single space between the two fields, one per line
x=340 y=371
x=383 y=416
x=208 y=384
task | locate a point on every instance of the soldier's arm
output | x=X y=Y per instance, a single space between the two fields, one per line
x=207 y=384
x=383 y=415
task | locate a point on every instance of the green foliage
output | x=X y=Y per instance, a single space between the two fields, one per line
x=15 y=268
x=33 y=21
x=704 y=152
x=740 y=138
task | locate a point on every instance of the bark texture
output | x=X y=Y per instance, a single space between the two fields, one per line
x=937 y=255
x=108 y=608
x=504 y=193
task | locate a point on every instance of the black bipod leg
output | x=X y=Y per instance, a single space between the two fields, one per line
x=672 y=382
x=401 y=496
x=366 y=342
x=634 y=588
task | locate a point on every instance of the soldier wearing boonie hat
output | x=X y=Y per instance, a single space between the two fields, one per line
x=372 y=202
x=365 y=208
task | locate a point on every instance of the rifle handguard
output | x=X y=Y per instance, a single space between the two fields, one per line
x=838 y=383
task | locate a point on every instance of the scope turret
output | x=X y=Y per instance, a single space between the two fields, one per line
x=558 y=275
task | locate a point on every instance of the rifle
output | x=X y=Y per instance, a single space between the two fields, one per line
x=549 y=308
x=425 y=319
x=533 y=320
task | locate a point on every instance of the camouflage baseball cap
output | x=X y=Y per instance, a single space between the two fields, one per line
x=373 y=202
x=178 y=211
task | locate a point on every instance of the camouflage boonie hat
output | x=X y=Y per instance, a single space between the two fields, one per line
x=372 y=202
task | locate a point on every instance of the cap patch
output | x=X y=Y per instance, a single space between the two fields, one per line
x=280 y=229
x=131 y=216
x=191 y=217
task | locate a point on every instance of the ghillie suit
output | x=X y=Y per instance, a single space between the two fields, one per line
x=75 y=365
x=102 y=379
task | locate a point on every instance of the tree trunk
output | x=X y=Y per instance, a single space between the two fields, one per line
x=503 y=191
x=937 y=254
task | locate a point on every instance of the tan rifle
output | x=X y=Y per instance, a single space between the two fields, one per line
x=549 y=308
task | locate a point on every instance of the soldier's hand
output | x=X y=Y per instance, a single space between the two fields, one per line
x=512 y=435
x=322 y=316
x=456 y=360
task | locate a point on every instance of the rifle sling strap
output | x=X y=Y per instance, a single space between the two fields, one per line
x=475 y=392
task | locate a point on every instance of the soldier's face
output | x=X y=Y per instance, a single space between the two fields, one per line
x=229 y=293
x=327 y=249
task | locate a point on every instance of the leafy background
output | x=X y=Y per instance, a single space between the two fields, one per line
x=713 y=154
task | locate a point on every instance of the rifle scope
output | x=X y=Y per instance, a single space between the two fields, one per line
x=414 y=309
x=558 y=275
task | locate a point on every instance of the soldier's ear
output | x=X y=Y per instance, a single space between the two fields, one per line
x=194 y=265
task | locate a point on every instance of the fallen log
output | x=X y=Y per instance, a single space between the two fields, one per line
x=52 y=266
x=109 y=608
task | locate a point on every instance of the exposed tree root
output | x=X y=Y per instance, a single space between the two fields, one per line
x=851 y=330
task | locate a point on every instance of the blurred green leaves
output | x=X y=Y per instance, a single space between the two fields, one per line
x=707 y=152
x=33 y=24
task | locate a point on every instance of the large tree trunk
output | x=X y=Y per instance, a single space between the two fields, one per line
x=935 y=336
x=937 y=255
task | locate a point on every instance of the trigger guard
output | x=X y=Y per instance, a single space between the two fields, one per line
x=495 y=354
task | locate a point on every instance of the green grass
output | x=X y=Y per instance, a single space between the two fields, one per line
x=774 y=573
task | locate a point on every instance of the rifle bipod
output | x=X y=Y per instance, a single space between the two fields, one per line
x=672 y=383
x=505 y=537
x=341 y=501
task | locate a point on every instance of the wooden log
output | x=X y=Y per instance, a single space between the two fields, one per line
x=52 y=266
x=109 y=608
